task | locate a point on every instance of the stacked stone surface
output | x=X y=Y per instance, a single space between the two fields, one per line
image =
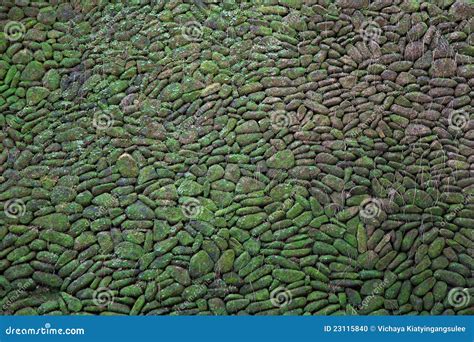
x=298 y=157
